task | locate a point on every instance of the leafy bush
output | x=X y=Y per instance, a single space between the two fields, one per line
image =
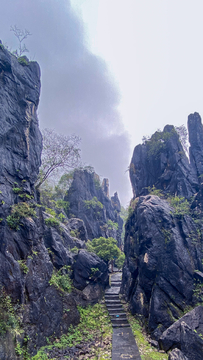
x=106 y=249
x=51 y=221
x=180 y=204
x=8 y=319
x=112 y=225
x=120 y=260
x=93 y=204
x=22 y=60
x=20 y=210
x=157 y=142
x=74 y=250
x=61 y=279
x=154 y=191
x=23 y=266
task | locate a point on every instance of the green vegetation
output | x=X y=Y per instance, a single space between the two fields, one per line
x=94 y=325
x=112 y=225
x=74 y=250
x=22 y=61
x=17 y=190
x=147 y=352
x=106 y=249
x=8 y=320
x=19 y=211
x=51 y=221
x=94 y=204
x=75 y=233
x=97 y=183
x=61 y=279
x=154 y=191
x=120 y=260
x=157 y=142
x=23 y=266
x=180 y=204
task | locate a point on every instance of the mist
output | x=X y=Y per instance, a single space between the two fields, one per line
x=78 y=93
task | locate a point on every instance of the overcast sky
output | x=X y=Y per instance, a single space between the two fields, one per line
x=112 y=71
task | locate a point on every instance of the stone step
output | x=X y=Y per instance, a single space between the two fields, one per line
x=119 y=321
x=112 y=297
x=115 y=284
x=120 y=313
x=120 y=325
x=113 y=311
x=118 y=316
x=112 y=302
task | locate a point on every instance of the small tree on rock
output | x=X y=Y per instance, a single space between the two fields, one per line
x=59 y=152
x=105 y=248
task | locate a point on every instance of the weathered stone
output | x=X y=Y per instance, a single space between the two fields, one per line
x=176 y=354
x=163 y=164
x=89 y=269
x=161 y=256
x=191 y=343
x=172 y=336
x=86 y=187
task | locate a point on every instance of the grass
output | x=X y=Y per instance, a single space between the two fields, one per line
x=147 y=352
x=95 y=325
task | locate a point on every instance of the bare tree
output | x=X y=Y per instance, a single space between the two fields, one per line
x=183 y=135
x=59 y=152
x=21 y=36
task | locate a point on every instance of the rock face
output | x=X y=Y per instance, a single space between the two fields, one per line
x=31 y=250
x=161 y=161
x=90 y=202
x=163 y=271
x=172 y=336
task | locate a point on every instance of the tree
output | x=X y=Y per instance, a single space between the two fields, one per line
x=183 y=135
x=105 y=248
x=59 y=152
x=21 y=36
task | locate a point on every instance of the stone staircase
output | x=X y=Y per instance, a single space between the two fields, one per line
x=123 y=345
x=114 y=306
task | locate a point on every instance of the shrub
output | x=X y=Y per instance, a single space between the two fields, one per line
x=22 y=60
x=23 y=266
x=61 y=279
x=112 y=225
x=51 y=221
x=93 y=204
x=20 y=210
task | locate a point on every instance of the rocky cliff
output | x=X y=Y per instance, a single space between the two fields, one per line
x=163 y=271
x=41 y=279
x=89 y=200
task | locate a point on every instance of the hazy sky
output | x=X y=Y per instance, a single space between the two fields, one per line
x=112 y=71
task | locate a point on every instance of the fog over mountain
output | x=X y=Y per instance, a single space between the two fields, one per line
x=78 y=93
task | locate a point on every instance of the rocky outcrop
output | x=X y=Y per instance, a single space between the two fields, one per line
x=89 y=201
x=163 y=271
x=162 y=254
x=33 y=245
x=195 y=130
x=171 y=338
x=161 y=162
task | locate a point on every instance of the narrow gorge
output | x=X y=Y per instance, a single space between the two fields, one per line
x=47 y=274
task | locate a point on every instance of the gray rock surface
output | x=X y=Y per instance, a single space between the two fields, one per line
x=172 y=336
x=86 y=187
x=161 y=161
x=176 y=354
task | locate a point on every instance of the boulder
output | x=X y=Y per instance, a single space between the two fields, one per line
x=88 y=270
x=191 y=343
x=176 y=354
x=172 y=336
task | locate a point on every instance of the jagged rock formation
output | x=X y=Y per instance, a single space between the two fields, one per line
x=90 y=202
x=163 y=271
x=30 y=249
x=162 y=162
